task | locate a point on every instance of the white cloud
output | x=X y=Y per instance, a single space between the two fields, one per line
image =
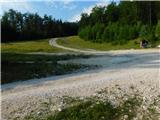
x=9 y=1
x=75 y=18
x=88 y=10
x=23 y=6
x=66 y=2
x=51 y=4
x=70 y=7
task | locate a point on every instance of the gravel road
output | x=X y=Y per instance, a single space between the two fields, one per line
x=140 y=68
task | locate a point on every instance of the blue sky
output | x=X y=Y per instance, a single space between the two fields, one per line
x=67 y=10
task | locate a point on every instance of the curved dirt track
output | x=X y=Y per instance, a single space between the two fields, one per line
x=142 y=66
x=53 y=42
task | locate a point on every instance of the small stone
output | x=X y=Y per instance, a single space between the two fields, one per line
x=125 y=116
x=97 y=103
x=144 y=108
x=38 y=113
x=126 y=99
x=144 y=98
x=59 y=109
x=81 y=98
x=102 y=117
x=135 y=118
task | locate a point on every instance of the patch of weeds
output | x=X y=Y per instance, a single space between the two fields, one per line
x=29 y=117
x=129 y=107
x=94 y=109
x=154 y=109
x=71 y=100
x=85 y=110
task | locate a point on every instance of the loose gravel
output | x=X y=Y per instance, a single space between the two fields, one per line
x=141 y=69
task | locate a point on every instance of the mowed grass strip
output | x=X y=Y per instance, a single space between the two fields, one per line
x=29 y=46
x=76 y=42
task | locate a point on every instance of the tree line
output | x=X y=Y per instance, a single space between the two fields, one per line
x=118 y=23
x=27 y=26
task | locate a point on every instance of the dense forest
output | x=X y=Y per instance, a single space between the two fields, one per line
x=16 y=26
x=118 y=23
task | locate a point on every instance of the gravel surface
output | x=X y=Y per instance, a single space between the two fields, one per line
x=138 y=68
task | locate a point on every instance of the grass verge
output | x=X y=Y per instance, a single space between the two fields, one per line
x=76 y=42
x=29 y=46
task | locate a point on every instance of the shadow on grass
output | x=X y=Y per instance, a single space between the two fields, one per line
x=17 y=67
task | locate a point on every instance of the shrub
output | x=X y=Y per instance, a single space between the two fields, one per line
x=105 y=35
x=148 y=33
x=123 y=32
x=117 y=33
x=144 y=31
x=157 y=31
x=85 y=33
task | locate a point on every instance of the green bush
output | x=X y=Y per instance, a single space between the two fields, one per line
x=148 y=33
x=123 y=32
x=110 y=33
x=144 y=31
x=138 y=26
x=106 y=35
x=133 y=33
x=157 y=31
x=117 y=33
x=100 y=29
x=86 y=33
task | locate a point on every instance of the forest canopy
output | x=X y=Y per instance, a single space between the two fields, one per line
x=118 y=23
x=27 y=26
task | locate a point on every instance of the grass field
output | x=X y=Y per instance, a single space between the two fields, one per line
x=29 y=46
x=76 y=42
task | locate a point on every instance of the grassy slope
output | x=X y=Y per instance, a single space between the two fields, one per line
x=29 y=46
x=76 y=42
